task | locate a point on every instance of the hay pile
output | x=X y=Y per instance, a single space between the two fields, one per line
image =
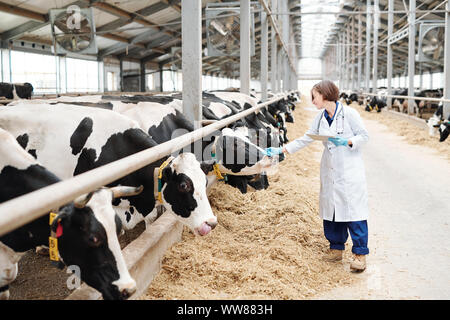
x=267 y=245
x=412 y=133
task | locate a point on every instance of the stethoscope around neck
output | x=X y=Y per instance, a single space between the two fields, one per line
x=338 y=112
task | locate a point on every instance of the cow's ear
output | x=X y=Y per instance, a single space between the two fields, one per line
x=61 y=219
x=167 y=174
x=207 y=166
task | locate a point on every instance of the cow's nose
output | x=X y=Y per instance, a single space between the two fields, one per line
x=126 y=288
x=126 y=293
x=212 y=223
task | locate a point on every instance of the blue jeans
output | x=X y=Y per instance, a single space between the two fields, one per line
x=337 y=234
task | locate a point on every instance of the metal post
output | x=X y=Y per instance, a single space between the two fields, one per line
x=344 y=73
x=273 y=58
x=376 y=18
x=431 y=78
x=446 y=109
x=359 y=52
x=352 y=59
x=279 y=68
x=142 y=77
x=161 y=79
x=121 y=75
x=368 y=26
x=420 y=77
x=389 y=52
x=348 y=60
x=191 y=25
x=264 y=56
x=339 y=59
x=411 y=53
x=285 y=36
x=244 y=46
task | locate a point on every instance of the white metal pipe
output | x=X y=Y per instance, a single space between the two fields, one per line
x=389 y=52
x=264 y=56
x=352 y=59
x=359 y=52
x=348 y=60
x=411 y=53
x=376 y=18
x=340 y=61
x=24 y=209
x=279 y=70
x=191 y=25
x=285 y=37
x=245 y=46
x=351 y=13
x=273 y=57
x=368 y=31
x=446 y=108
x=409 y=97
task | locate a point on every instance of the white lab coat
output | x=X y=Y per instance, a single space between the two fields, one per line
x=343 y=189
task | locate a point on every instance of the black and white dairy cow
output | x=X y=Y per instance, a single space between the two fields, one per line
x=259 y=130
x=377 y=102
x=72 y=139
x=437 y=123
x=86 y=228
x=277 y=114
x=16 y=90
x=8 y=269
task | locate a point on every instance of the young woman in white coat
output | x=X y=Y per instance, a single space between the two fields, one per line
x=343 y=191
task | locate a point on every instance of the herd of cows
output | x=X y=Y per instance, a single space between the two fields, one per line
x=436 y=123
x=45 y=141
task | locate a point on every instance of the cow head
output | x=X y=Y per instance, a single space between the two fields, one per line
x=237 y=155
x=433 y=123
x=184 y=193
x=444 y=130
x=87 y=233
x=8 y=269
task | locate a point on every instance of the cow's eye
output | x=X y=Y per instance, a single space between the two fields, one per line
x=184 y=187
x=94 y=241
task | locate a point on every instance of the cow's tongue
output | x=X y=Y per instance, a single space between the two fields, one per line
x=204 y=229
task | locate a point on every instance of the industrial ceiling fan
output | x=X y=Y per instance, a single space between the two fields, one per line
x=431 y=42
x=73 y=30
x=223 y=30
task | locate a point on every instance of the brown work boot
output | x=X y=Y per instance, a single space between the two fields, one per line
x=333 y=255
x=358 y=263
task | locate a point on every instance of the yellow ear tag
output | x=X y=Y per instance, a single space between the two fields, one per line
x=217 y=172
x=52 y=217
x=53 y=248
x=161 y=168
x=53 y=241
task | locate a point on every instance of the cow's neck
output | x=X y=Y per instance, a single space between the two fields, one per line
x=29 y=236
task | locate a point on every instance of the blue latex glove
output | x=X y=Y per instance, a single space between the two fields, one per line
x=273 y=151
x=339 y=141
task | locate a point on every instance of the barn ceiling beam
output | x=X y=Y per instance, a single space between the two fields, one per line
x=121 y=13
x=30 y=26
x=147 y=11
x=25 y=13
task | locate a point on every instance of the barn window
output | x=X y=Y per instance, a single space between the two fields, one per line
x=111 y=81
x=37 y=69
x=82 y=75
